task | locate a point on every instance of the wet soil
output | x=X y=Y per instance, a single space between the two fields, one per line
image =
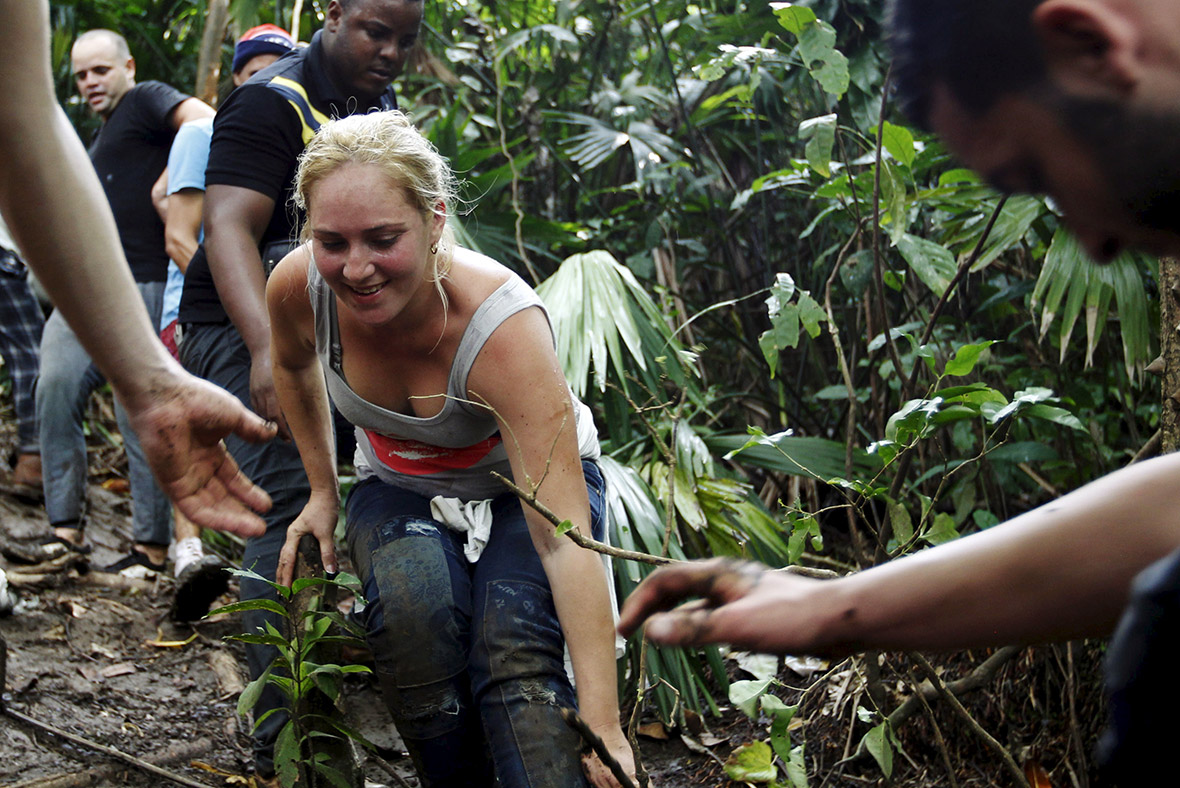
x=106 y=664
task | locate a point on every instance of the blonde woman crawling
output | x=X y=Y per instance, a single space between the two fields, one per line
x=443 y=359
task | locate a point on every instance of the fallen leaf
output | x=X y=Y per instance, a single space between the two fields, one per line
x=1036 y=775
x=760 y=666
x=76 y=610
x=170 y=643
x=654 y=730
x=709 y=740
x=121 y=669
x=116 y=485
x=230 y=777
x=805 y=666
x=101 y=650
x=89 y=673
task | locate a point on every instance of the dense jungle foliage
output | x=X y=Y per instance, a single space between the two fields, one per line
x=809 y=335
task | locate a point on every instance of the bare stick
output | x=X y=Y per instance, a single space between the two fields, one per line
x=590 y=737
x=105 y=750
x=579 y=538
x=181 y=751
x=965 y=715
x=387 y=767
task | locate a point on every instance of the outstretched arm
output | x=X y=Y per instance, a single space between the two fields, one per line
x=303 y=396
x=1058 y=572
x=58 y=214
x=517 y=374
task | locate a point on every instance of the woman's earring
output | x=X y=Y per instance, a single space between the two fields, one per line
x=434 y=248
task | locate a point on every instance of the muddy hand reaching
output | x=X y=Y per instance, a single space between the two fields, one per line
x=181 y=421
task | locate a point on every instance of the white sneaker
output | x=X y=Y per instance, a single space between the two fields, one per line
x=188 y=551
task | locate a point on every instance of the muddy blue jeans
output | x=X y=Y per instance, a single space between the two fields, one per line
x=469 y=656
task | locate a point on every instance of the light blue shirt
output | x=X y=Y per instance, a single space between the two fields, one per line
x=186 y=170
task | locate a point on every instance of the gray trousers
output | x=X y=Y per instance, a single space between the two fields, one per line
x=63 y=389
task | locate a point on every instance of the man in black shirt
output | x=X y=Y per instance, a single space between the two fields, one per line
x=129 y=154
x=258 y=135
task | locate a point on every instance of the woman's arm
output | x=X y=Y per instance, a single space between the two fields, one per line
x=303 y=397
x=518 y=376
x=1058 y=572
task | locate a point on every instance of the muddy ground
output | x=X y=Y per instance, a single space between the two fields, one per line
x=108 y=665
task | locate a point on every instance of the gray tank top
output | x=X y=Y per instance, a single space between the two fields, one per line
x=454 y=452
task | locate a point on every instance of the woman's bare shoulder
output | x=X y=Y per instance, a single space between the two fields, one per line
x=474 y=276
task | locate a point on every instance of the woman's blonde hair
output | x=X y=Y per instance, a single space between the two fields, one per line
x=390 y=142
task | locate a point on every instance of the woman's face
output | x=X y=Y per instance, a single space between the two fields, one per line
x=371 y=245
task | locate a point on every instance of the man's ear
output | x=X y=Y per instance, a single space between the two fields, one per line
x=131 y=68
x=332 y=16
x=1089 y=47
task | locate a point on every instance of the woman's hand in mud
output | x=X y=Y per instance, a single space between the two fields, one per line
x=620 y=749
x=318 y=518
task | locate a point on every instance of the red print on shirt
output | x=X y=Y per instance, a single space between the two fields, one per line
x=415 y=458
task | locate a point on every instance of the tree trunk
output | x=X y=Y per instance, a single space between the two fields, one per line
x=1170 y=353
x=209 y=59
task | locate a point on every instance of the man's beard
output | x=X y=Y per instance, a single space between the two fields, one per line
x=1137 y=152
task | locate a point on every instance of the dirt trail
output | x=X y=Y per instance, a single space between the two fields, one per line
x=108 y=665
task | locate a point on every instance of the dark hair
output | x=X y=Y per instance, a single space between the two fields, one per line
x=980 y=49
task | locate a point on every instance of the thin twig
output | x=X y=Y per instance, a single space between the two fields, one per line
x=576 y=536
x=1009 y=762
x=938 y=739
x=387 y=767
x=979 y=677
x=878 y=276
x=105 y=750
x=633 y=723
x=590 y=737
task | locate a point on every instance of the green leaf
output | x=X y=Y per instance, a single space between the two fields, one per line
x=262 y=640
x=780 y=715
x=793 y=17
x=942 y=530
x=252 y=692
x=796 y=768
x=965 y=357
x=335 y=776
x=933 y=263
x=744 y=695
x=1056 y=415
x=752 y=763
x=287 y=755
x=899 y=520
x=811 y=314
x=880 y=747
x=281 y=590
x=268 y=605
x=820 y=133
x=899 y=142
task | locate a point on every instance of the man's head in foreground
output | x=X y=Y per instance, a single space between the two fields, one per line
x=1078 y=99
x=103 y=69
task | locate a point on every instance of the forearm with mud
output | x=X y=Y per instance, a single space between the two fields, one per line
x=51 y=186
x=1059 y=572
